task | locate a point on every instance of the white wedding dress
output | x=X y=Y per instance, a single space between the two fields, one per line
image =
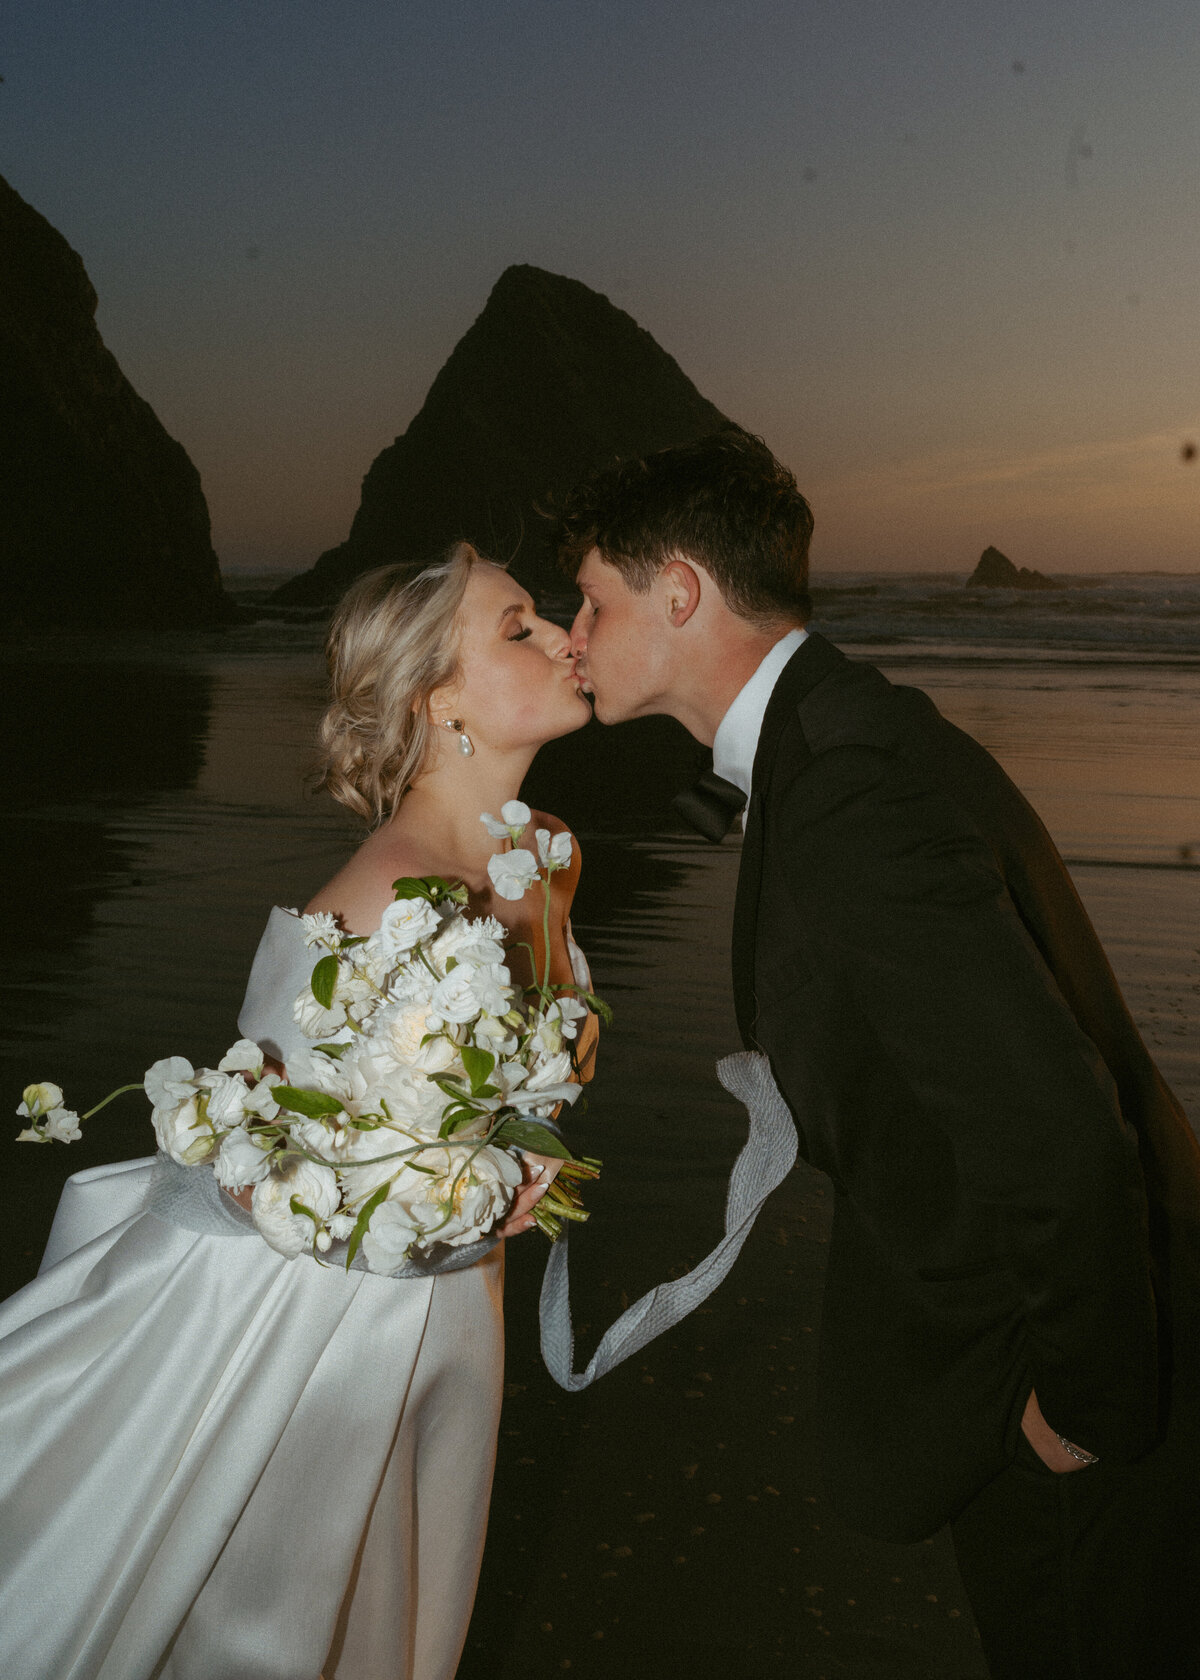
x=217 y=1464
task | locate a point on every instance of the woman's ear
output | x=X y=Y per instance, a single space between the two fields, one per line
x=441 y=704
x=680 y=584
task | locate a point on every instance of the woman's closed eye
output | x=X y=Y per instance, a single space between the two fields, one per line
x=520 y=635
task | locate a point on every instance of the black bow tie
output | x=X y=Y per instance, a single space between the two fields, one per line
x=710 y=805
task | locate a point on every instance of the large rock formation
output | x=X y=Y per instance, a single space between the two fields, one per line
x=102 y=518
x=551 y=382
x=996 y=571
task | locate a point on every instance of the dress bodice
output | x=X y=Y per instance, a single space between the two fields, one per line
x=283 y=965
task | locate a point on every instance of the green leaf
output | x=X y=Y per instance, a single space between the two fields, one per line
x=527 y=1134
x=312 y=1104
x=363 y=1220
x=324 y=979
x=478 y=1065
x=337 y=1051
x=410 y=887
x=455 y=1118
x=449 y=1084
x=297 y=1206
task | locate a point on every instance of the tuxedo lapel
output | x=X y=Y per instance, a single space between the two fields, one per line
x=811 y=663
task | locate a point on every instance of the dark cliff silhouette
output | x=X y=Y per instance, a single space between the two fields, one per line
x=996 y=571
x=551 y=382
x=102 y=518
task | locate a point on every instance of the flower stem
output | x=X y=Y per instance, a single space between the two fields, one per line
x=104 y=1102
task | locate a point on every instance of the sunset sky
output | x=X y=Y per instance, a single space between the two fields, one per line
x=944 y=255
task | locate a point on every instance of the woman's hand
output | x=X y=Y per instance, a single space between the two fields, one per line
x=537 y=1174
x=1045 y=1441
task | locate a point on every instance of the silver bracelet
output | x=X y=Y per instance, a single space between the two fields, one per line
x=1076 y=1452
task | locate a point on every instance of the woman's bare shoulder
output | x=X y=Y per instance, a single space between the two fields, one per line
x=546 y=819
x=362 y=889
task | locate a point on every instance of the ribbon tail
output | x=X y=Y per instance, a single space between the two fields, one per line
x=767 y=1157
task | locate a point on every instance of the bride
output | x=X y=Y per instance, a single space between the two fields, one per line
x=224 y=1465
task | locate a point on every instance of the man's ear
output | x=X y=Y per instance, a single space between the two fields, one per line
x=681 y=591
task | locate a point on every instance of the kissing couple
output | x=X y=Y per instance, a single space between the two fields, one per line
x=224 y=1465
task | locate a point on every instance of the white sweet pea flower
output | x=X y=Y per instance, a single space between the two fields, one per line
x=241 y=1160
x=61 y=1125
x=515 y=817
x=287 y=1232
x=513 y=873
x=321 y=928
x=405 y=923
x=226 y=1097
x=243 y=1057
x=169 y=1081
x=495 y=1035
x=341 y=1226
x=554 y=852
x=549 y=1035
x=571 y=1011
x=258 y=1099
x=40 y=1099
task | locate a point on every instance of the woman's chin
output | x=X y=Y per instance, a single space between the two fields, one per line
x=569 y=724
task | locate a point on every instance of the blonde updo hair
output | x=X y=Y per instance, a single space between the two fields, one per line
x=391 y=644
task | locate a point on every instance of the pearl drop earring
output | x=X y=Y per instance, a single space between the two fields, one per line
x=464 y=740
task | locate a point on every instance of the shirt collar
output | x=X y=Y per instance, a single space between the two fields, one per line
x=736 y=740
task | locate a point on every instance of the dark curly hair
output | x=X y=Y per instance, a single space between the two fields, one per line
x=724 y=502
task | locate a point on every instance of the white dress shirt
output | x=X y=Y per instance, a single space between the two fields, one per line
x=736 y=740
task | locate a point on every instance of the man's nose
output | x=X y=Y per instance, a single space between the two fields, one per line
x=579 y=632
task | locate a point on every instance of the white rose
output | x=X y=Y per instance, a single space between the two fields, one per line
x=365 y=1170
x=181 y=1133
x=513 y=873
x=243 y=1057
x=388 y=1237
x=314 y=1020
x=403 y=1032
x=240 y=1161
x=291 y=1233
x=406 y=922
x=456 y=998
x=456 y=932
x=465 y=1200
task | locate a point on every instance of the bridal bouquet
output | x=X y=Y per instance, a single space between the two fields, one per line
x=429 y=1073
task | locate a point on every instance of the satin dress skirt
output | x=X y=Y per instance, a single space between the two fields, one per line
x=218 y=1464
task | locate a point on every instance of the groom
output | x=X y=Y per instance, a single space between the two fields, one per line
x=1011 y=1326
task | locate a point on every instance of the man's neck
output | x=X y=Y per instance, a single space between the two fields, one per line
x=714 y=681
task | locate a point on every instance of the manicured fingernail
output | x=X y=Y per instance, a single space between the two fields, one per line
x=540 y=1192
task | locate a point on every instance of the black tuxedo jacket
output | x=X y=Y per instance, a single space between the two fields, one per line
x=1017 y=1190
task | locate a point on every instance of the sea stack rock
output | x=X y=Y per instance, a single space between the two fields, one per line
x=551 y=382
x=102 y=518
x=996 y=571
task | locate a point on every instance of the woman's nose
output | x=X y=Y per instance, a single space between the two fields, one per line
x=558 y=641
